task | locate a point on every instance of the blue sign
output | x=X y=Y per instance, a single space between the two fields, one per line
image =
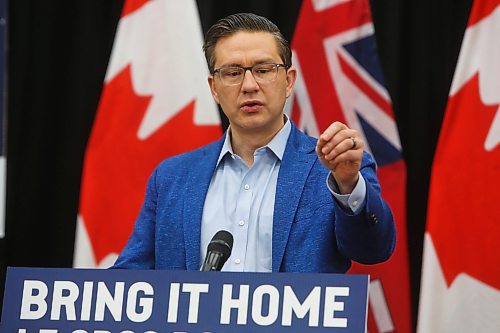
x=101 y=301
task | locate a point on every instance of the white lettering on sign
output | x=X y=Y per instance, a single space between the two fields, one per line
x=265 y=305
x=173 y=302
x=240 y=304
x=331 y=305
x=88 y=287
x=33 y=304
x=194 y=290
x=273 y=306
x=145 y=303
x=65 y=295
x=292 y=305
x=112 y=302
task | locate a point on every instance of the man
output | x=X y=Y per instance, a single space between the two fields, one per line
x=291 y=203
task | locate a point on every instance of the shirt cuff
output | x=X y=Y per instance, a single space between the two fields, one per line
x=353 y=201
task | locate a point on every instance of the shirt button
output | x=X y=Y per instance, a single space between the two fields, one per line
x=247 y=187
x=242 y=223
x=355 y=203
x=237 y=261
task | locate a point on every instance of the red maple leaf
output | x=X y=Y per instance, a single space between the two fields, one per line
x=464 y=212
x=480 y=10
x=118 y=163
x=132 y=5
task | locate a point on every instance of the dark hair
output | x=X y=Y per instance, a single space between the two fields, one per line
x=243 y=22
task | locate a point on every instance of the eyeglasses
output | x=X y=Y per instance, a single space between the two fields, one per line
x=263 y=73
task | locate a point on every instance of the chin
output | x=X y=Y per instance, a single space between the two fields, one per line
x=252 y=121
x=252 y=125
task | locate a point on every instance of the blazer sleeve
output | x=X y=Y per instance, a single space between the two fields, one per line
x=368 y=237
x=139 y=252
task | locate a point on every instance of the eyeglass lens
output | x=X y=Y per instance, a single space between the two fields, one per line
x=261 y=73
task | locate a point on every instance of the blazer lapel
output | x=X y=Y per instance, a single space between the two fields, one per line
x=298 y=160
x=197 y=183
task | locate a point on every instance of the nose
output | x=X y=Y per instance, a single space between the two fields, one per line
x=249 y=83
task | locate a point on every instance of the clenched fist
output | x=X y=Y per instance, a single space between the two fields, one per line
x=340 y=149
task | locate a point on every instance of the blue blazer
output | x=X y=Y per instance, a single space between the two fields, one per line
x=311 y=232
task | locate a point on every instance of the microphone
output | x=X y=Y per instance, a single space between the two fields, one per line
x=218 y=251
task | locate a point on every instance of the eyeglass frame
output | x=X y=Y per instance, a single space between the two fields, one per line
x=249 y=68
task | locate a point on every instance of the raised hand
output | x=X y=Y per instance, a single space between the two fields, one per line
x=340 y=149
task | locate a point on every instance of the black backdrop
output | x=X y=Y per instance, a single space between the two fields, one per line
x=58 y=53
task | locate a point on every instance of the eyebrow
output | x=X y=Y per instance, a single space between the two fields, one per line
x=234 y=64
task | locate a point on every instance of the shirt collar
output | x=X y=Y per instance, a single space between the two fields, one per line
x=277 y=145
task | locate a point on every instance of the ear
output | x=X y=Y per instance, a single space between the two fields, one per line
x=213 y=89
x=291 y=76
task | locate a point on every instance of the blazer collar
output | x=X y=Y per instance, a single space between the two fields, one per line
x=298 y=159
x=197 y=183
x=297 y=162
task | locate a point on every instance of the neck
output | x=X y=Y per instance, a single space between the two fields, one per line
x=244 y=144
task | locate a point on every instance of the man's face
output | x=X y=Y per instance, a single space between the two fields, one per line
x=252 y=107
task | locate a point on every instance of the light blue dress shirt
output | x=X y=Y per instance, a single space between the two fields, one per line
x=240 y=199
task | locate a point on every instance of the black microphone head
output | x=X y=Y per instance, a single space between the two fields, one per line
x=222 y=242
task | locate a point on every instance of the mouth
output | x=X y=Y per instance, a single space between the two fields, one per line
x=251 y=106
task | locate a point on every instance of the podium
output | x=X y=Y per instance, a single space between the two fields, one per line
x=101 y=301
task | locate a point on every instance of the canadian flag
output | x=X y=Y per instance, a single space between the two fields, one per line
x=460 y=290
x=155 y=103
x=340 y=78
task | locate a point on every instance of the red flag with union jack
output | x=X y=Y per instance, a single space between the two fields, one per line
x=460 y=290
x=340 y=78
x=155 y=104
